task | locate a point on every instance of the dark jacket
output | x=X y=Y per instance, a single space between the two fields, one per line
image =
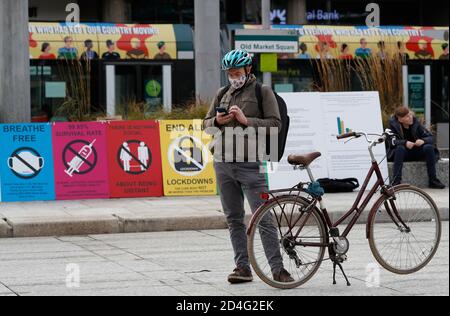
x=245 y=98
x=418 y=131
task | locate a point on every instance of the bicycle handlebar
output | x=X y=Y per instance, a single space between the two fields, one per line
x=381 y=138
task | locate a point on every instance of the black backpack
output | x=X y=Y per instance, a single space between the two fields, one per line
x=285 y=120
x=339 y=185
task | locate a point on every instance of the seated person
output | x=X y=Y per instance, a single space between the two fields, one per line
x=414 y=143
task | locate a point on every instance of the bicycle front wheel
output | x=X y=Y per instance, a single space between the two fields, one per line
x=287 y=233
x=406 y=231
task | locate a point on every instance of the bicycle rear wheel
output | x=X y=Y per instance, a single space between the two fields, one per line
x=291 y=225
x=406 y=231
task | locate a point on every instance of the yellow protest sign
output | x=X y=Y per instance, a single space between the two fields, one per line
x=186 y=160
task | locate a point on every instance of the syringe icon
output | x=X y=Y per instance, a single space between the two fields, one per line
x=78 y=161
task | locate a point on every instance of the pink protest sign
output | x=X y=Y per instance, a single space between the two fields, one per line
x=80 y=159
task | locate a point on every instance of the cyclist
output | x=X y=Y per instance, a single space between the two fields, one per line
x=241 y=175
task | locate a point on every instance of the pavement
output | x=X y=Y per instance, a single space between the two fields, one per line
x=89 y=217
x=188 y=263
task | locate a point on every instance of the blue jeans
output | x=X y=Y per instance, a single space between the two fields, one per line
x=403 y=154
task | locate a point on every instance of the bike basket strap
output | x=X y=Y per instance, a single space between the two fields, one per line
x=315 y=190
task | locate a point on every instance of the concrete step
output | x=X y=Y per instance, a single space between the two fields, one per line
x=93 y=217
x=444 y=152
x=415 y=173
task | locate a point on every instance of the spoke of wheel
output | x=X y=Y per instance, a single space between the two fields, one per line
x=286 y=221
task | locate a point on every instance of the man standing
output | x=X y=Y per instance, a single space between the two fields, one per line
x=68 y=52
x=304 y=52
x=89 y=53
x=363 y=51
x=111 y=54
x=415 y=143
x=424 y=51
x=444 y=55
x=137 y=50
x=236 y=107
x=162 y=54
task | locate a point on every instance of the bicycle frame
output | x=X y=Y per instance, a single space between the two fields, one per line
x=298 y=209
x=357 y=207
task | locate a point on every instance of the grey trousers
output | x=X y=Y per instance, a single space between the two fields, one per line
x=235 y=180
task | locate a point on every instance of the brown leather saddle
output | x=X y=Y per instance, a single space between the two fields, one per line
x=303 y=160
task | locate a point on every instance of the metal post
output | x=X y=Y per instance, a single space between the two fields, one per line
x=207 y=48
x=111 y=90
x=114 y=11
x=428 y=95
x=14 y=62
x=297 y=12
x=167 y=88
x=405 y=85
x=265 y=15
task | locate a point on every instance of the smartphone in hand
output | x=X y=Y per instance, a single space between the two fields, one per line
x=223 y=111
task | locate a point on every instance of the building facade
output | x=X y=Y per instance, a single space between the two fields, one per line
x=151 y=82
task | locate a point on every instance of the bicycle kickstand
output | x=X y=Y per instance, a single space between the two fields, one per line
x=337 y=264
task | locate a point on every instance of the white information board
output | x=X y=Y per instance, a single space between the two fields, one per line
x=316 y=120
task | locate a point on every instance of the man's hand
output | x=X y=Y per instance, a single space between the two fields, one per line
x=239 y=115
x=420 y=143
x=410 y=145
x=224 y=119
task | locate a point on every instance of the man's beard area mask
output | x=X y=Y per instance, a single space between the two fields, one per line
x=238 y=83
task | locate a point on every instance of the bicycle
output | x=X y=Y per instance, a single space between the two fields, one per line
x=404 y=226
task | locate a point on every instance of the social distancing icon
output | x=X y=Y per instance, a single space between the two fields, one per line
x=79 y=157
x=26 y=163
x=134 y=157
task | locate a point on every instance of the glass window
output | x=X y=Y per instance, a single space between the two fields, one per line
x=46 y=94
x=163 y=11
x=139 y=89
x=63 y=91
x=126 y=88
x=152 y=83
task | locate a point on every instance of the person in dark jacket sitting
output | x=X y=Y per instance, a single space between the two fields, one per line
x=415 y=143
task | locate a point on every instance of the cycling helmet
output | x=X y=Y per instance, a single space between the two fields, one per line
x=237 y=58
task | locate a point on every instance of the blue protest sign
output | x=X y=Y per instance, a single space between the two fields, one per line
x=26 y=162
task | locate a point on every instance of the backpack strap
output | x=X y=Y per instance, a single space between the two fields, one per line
x=259 y=97
x=222 y=93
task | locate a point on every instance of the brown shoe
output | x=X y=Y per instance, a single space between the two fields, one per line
x=283 y=276
x=240 y=275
